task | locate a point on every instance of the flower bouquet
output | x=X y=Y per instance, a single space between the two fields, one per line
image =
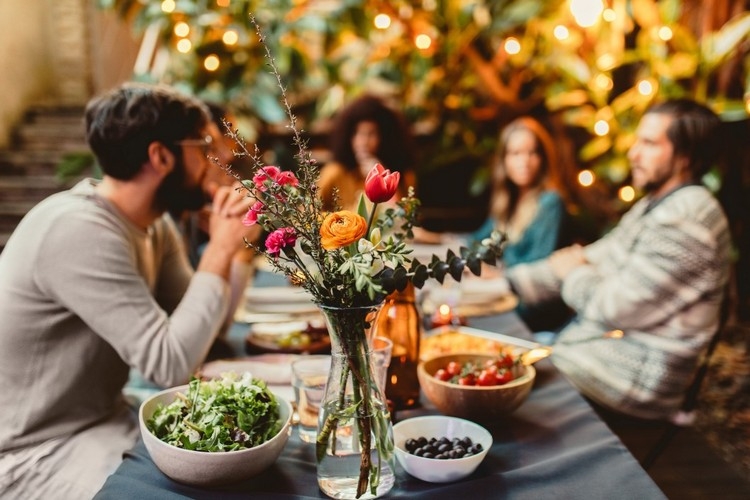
x=348 y=262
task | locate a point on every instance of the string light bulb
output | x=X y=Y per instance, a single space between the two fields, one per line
x=645 y=88
x=182 y=29
x=230 y=37
x=561 y=32
x=626 y=194
x=665 y=33
x=512 y=46
x=423 y=41
x=586 y=178
x=382 y=21
x=184 y=46
x=609 y=15
x=211 y=62
x=168 y=6
x=603 y=81
x=601 y=128
x=586 y=12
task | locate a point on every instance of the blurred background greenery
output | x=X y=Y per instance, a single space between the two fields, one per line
x=460 y=70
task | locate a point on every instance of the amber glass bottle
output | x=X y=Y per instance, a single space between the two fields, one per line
x=400 y=321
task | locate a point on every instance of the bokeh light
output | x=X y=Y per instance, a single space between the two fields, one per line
x=211 y=62
x=230 y=37
x=512 y=45
x=626 y=193
x=601 y=128
x=586 y=178
x=182 y=29
x=423 y=41
x=645 y=87
x=603 y=81
x=665 y=33
x=184 y=46
x=561 y=32
x=168 y=6
x=586 y=12
x=382 y=21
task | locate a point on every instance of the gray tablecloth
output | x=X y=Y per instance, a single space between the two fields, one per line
x=554 y=446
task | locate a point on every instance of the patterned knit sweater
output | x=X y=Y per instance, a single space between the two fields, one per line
x=659 y=278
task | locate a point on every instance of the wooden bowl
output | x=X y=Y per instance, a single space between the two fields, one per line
x=483 y=404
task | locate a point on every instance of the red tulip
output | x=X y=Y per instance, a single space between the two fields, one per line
x=381 y=184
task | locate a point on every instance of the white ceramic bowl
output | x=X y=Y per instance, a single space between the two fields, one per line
x=435 y=470
x=203 y=468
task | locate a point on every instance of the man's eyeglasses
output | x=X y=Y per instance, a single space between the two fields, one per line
x=206 y=144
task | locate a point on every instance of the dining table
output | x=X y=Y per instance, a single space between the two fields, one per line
x=553 y=446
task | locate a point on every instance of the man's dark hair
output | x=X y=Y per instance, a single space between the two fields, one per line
x=121 y=124
x=694 y=133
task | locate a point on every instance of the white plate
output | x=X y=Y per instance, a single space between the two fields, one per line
x=481 y=291
x=274 y=369
x=281 y=299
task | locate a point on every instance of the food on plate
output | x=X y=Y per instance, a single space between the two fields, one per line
x=443 y=448
x=293 y=336
x=490 y=372
x=450 y=342
x=232 y=413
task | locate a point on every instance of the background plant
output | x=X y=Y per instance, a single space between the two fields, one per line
x=461 y=68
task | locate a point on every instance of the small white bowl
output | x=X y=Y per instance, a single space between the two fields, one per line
x=203 y=468
x=435 y=470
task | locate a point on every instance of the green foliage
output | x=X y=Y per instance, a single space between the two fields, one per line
x=465 y=85
x=75 y=164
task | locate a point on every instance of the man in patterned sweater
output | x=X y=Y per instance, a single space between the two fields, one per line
x=647 y=295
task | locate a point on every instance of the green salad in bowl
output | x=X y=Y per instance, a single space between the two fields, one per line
x=231 y=413
x=215 y=431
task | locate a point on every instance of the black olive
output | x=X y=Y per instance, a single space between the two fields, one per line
x=443 y=448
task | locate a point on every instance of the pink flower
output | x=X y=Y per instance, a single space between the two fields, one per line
x=264 y=174
x=287 y=179
x=381 y=184
x=280 y=239
x=251 y=217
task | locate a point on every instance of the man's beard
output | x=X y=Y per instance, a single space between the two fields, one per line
x=175 y=197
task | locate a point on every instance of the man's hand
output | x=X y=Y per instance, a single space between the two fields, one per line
x=566 y=259
x=226 y=231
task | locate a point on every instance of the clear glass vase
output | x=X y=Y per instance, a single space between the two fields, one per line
x=354 y=445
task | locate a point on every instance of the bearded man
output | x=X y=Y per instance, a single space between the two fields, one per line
x=95 y=281
x=647 y=295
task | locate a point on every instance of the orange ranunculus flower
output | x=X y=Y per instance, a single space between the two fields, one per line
x=341 y=228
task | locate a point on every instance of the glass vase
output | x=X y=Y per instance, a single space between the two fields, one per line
x=354 y=445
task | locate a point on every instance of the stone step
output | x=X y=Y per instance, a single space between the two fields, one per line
x=11 y=213
x=53 y=114
x=4 y=240
x=36 y=161
x=73 y=132
x=29 y=188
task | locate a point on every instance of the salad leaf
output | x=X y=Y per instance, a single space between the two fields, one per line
x=231 y=413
